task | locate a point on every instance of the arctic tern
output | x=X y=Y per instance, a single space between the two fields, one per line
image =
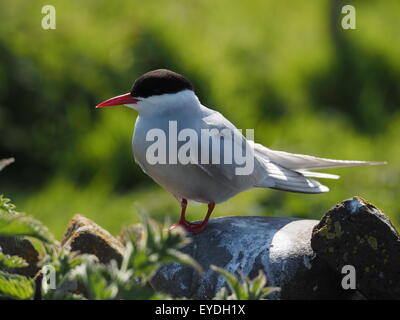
x=163 y=97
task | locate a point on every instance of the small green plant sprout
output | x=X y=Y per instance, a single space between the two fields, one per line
x=244 y=288
x=83 y=277
x=61 y=264
x=6 y=207
x=143 y=256
x=157 y=245
x=107 y=282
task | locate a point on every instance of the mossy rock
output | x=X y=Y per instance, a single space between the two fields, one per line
x=85 y=236
x=357 y=233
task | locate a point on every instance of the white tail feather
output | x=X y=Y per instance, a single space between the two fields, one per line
x=303 y=162
x=284 y=179
x=289 y=171
x=321 y=175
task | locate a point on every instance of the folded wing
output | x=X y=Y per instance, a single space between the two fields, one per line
x=275 y=169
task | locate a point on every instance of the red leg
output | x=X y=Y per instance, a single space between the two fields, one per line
x=199 y=227
x=182 y=220
x=190 y=226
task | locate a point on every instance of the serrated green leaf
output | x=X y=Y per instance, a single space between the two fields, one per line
x=7 y=261
x=16 y=286
x=6 y=206
x=158 y=245
x=22 y=225
x=96 y=279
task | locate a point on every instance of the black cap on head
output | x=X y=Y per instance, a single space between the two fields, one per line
x=158 y=82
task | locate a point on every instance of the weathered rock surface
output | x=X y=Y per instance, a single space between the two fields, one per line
x=278 y=246
x=303 y=257
x=85 y=236
x=357 y=233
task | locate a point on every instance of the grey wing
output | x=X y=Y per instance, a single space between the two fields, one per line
x=266 y=173
x=288 y=180
x=225 y=139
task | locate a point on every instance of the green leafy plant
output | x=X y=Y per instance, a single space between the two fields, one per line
x=244 y=288
x=17 y=225
x=16 y=286
x=13 y=223
x=7 y=261
x=62 y=263
x=12 y=285
x=6 y=207
x=142 y=258
x=158 y=245
x=82 y=276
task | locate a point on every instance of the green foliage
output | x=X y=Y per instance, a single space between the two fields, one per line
x=7 y=261
x=63 y=263
x=82 y=276
x=157 y=245
x=244 y=288
x=12 y=285
x=6 y=207
x=16 y=286
x=111 y=282
x=142 y=257
x=19 y=224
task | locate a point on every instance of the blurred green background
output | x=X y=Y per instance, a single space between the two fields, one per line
x=285 y=68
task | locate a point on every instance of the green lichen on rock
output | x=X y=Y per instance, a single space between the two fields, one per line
x=331 y=231
x=364 y=237
x=373 y=242
x=85 y=236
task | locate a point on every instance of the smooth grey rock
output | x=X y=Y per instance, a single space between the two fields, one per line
x=357 y=233
x=278 y=246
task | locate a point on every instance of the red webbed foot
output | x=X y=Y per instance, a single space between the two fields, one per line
x=191 y=226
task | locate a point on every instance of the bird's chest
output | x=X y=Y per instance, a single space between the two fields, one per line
x=156 y=140
x=156 y=147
